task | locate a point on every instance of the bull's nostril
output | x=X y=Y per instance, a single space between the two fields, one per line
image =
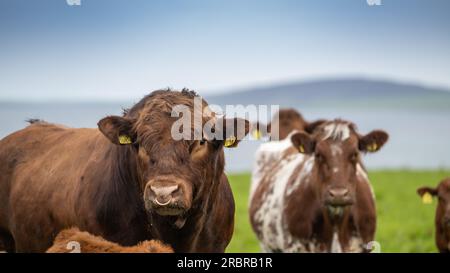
x=164 y=191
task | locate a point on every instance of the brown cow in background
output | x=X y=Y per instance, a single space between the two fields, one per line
x=442 y=218
x=311 y=193
x=75 y=241
x=283 y=123
x=128 y=182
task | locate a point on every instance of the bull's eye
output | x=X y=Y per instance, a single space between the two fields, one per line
x=152 y=162
x=202 y=142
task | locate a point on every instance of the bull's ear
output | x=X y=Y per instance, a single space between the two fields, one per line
x=304 y=143
x=373 y=141
x=259 y=130
x=234 y=130
x=311 y=126
x=423 y=190
x=117 y=129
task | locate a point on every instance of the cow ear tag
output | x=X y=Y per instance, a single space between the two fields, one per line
x=124 y=139
x=301 y=149
x=372 y=147
x=256 y=134
x=427 y=198
x=229 y=141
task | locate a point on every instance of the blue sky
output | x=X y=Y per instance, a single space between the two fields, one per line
x=114 y=50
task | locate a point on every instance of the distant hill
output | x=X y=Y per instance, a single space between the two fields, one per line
x=339 y=92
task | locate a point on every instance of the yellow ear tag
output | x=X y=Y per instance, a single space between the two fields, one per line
x=301 y=148
x=229 y=141
x=372 y=147
x=124 y=139
x=257 y=134
x=427 y=198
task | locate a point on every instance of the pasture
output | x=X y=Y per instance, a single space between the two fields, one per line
x=405 y=224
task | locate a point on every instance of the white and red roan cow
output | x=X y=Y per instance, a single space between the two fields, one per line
x=311 y=193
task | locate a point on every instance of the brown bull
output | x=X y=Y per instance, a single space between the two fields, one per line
x=128 y=182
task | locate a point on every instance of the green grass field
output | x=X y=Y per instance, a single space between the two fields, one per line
x=404 y=223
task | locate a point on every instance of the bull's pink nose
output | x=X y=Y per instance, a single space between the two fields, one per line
x=163 y=195
x=338 y=193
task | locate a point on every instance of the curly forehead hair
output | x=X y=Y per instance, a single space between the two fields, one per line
x=162 y=97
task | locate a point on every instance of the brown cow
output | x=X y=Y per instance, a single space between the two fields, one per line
x=442 y=218
x=128 y=182
x=75 y=241
x=286 y=121
x=311 y=193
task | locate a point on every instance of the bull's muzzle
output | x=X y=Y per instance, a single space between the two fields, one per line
x=162 y=196
x=166 y=197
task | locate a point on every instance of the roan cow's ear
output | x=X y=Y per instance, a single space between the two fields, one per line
x=311 y=126
x=373 y=141
x=117 y=129
x=234 y=130
x=259 y=130
x=303 y=142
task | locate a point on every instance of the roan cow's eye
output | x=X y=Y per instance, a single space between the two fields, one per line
x=201 y=142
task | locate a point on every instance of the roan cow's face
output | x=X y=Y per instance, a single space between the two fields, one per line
x=336 y=147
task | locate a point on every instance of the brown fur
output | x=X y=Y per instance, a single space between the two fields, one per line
x=442 y=216
x=55 y=177
x=94 y=244
x=287 y=120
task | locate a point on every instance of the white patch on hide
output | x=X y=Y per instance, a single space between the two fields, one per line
x=335 y=244
x=337 y=131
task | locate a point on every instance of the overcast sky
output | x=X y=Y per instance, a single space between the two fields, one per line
x=113 y=50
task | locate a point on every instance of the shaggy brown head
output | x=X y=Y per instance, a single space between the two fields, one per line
x=442 y=192
x=335 y=148
x=179 y=155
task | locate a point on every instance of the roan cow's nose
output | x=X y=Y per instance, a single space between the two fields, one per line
x=163 y=195
x=338 y=193
x=339 y=197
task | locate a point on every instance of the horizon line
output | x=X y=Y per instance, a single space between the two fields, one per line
x=231 y=90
